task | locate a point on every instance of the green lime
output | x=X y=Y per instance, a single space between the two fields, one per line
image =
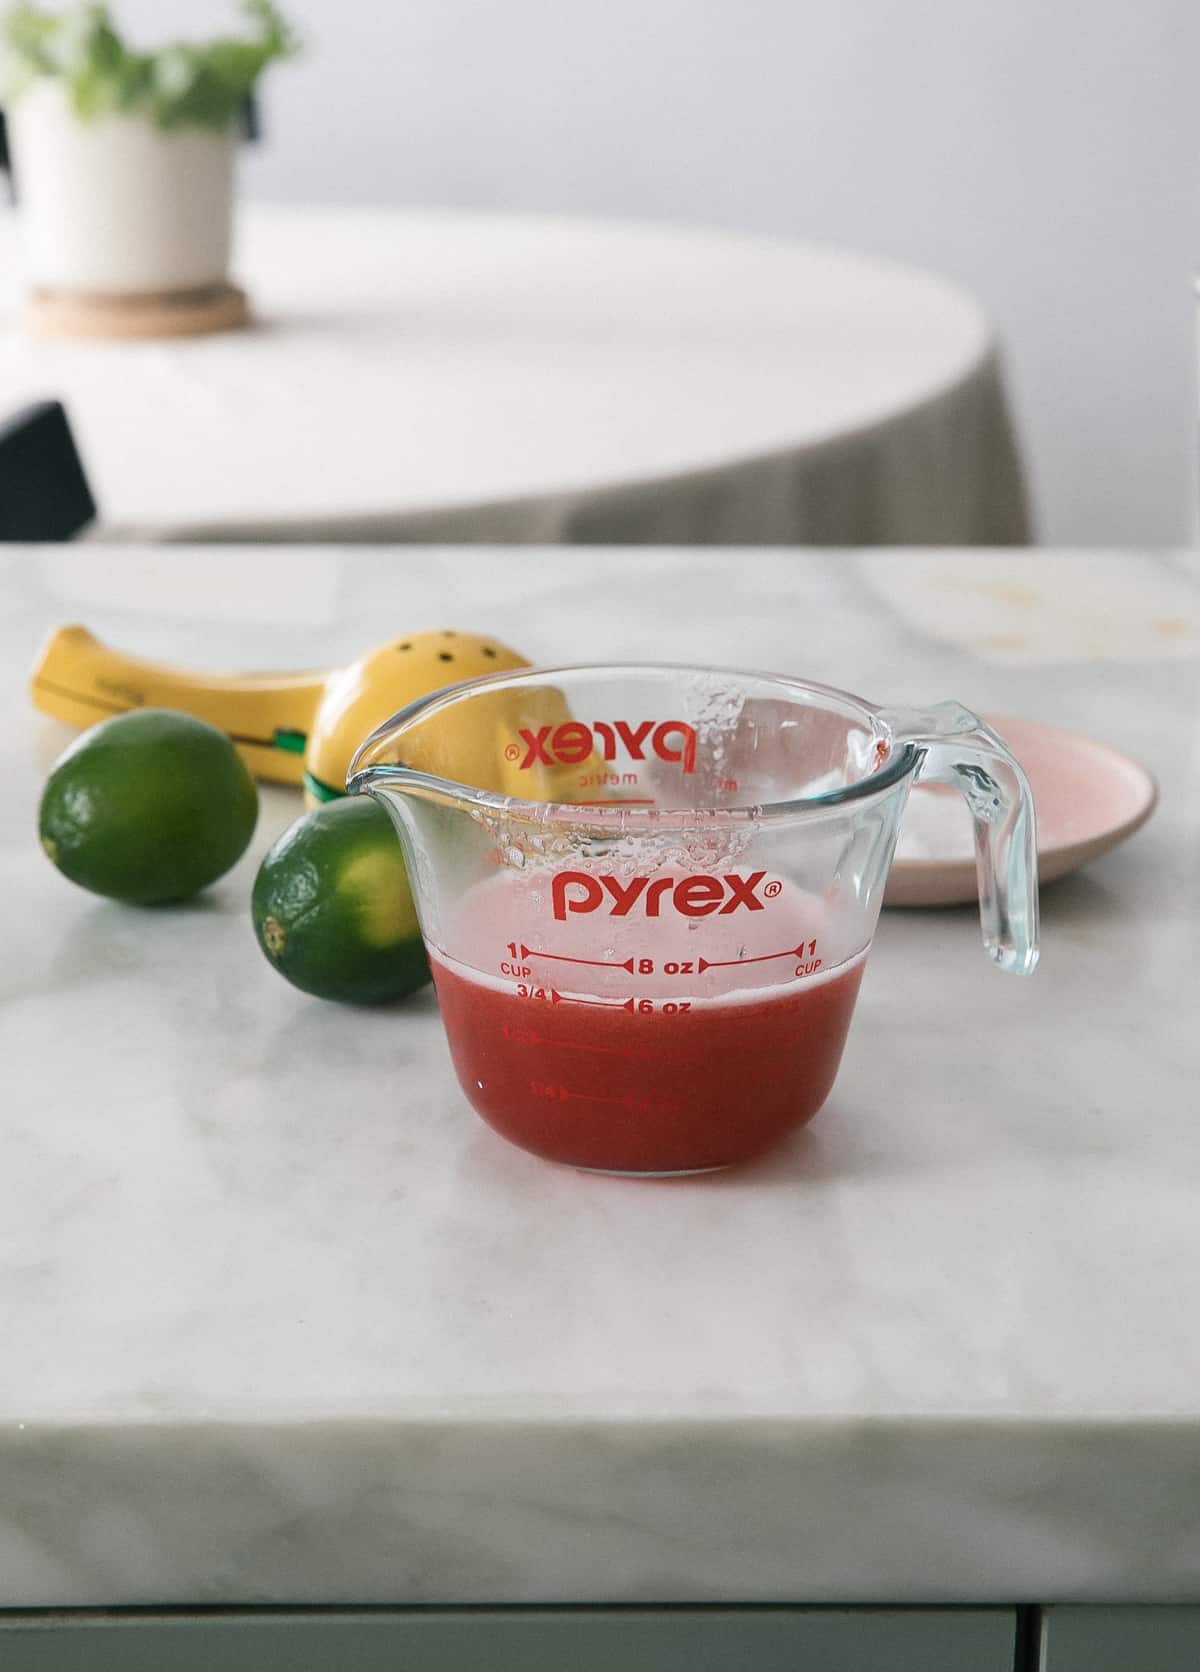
x=148 y=807
x=332 y=907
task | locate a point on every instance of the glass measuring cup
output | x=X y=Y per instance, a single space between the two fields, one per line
x=648 y=893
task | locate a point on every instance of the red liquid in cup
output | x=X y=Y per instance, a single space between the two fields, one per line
x=577 y=1068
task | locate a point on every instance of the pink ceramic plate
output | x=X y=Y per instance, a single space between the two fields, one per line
x=1088 y=797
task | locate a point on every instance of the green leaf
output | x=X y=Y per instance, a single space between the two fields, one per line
x=196 y=84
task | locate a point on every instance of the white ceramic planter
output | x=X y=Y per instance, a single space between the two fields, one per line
x=117 y=206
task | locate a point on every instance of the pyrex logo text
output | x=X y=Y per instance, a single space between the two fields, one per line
x=571 y=743
x=699 y=896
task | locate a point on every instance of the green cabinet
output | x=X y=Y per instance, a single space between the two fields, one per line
x=1120 y=1640
x=515 y=1640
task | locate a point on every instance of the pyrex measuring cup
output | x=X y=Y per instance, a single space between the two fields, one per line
x=648 y=893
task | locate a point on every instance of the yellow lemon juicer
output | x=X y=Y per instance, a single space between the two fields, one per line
x=290 y=728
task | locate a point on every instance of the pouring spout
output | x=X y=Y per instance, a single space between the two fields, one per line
x=379 y=782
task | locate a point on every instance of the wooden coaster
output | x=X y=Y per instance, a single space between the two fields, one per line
x=180 y=313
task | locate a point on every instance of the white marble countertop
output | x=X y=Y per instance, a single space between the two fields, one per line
x=281 y=1320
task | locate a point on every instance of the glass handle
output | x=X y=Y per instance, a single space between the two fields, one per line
x=956 y=747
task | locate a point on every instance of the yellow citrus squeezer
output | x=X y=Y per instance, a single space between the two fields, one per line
x=291 y=728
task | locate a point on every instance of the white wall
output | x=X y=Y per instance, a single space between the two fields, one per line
x=1046 y=153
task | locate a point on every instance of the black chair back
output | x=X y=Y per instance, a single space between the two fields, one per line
x=44 y=493
x=6 y=167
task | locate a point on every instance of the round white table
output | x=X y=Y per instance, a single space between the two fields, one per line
x=449 y=376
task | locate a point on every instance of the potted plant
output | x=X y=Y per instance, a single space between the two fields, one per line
x=123 y=160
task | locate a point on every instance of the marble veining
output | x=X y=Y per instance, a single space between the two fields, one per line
x=282 y=1321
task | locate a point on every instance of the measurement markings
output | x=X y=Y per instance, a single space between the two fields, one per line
x=562 y=958
x=554 y=1092
x=600 y=1050
x=765 y=958
x=533 y=1041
